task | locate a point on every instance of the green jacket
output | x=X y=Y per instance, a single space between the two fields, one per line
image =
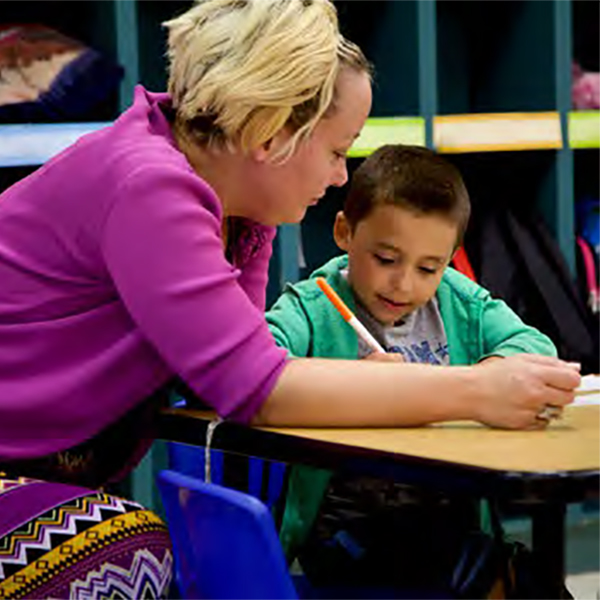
x=305 y=322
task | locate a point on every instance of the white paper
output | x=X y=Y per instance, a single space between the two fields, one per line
x=588 y=392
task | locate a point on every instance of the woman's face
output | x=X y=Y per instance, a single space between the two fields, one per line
x=281 y=193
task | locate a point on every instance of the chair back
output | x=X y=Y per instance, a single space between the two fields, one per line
x=224 y=541
x=264 y=479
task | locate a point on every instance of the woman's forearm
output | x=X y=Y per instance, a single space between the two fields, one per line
x=325 y=392
x=506 y=393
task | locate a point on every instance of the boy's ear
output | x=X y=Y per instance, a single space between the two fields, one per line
x=342 y=231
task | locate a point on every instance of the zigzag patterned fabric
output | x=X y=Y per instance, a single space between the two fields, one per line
x=64 y=541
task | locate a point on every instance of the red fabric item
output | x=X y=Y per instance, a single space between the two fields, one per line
x=590 y=275
x=461 y=263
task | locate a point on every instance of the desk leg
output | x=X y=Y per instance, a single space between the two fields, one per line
x=548 y=544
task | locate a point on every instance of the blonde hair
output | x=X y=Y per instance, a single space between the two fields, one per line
x=242 y=70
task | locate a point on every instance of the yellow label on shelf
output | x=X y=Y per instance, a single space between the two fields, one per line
x=584 y=129
x=379 y=131
x=497 y=131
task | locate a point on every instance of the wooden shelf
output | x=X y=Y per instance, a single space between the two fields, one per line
x=482 y=132
x=30 y=145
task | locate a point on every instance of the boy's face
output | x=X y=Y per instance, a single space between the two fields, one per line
x=396 y=258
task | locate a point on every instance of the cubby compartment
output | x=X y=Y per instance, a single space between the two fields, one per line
x=387 y=32
x=92 y=22
x=587 y=197
x=153 y=40
x=523 y=182
x=318 y=244
x=586 y=33
x=509 y=179
x=496 y=56
x=10 y=175
x=587 y=173
x=587 y=221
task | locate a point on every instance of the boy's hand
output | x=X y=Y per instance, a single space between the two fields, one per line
x=385 y=357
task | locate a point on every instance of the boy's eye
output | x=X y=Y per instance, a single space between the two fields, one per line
x=341 y=154
x=383 y=260
x=428 y=270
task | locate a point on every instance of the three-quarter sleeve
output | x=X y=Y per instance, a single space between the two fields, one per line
x=163 y=249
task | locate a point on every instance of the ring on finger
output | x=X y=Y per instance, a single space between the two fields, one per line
x=549 y=412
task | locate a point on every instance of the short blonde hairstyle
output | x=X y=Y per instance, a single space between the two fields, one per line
x=242 y=70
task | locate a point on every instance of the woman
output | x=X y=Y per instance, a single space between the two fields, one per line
x=140 y=254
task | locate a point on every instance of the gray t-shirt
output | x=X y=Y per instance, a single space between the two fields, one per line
x=420 y=337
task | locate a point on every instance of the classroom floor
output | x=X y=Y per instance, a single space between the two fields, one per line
x=582 y=549
x=584 y=586
x=583 y=568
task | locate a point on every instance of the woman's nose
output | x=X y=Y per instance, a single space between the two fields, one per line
x=340 y=176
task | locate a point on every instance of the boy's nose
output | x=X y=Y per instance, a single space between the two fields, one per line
x=402 y=281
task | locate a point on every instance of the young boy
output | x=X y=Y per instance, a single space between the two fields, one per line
x=404 y=217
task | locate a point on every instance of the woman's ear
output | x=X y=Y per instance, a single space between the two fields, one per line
x=342 y=232
x=262 y=152
x=268 y=149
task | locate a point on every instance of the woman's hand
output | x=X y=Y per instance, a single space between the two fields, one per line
x=515 y=390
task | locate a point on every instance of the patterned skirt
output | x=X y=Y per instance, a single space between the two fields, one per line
x=64 y=541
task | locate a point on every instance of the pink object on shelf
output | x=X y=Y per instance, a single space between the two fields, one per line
x=585 y=90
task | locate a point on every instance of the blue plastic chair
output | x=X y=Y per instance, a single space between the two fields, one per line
x=224 y=541
x=190 y=460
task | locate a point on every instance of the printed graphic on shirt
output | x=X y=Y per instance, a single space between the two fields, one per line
x=433 y=352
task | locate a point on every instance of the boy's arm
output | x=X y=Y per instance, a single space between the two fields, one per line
x=289 y=325
x=505 y=334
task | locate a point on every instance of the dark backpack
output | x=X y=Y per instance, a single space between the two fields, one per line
x=516 y=258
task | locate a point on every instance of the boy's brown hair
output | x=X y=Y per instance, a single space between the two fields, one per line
x=411 y=177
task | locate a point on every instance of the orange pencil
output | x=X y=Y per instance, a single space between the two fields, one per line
x=349 y=316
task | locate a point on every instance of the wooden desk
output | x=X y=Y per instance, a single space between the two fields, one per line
x=540 y=470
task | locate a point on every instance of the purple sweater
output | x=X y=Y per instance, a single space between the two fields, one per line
x=113 y=279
